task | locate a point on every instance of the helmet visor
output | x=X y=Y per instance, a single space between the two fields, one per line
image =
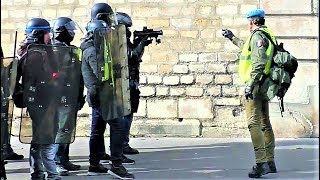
x=109 y=18
x=71 y=26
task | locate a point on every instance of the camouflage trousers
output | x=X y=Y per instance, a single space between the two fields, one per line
x=257 y=114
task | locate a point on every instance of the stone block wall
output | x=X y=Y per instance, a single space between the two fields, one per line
x=189 y=84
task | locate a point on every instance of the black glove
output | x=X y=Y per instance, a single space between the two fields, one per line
x=142 y=40
x=134 y=99
x=248 y=92
x=146 y=41
x=135 y=53
x=137 y=40
x=81 y=102
x=17 y=96
x=282 y=91
x=227 y=34
x=94 y=99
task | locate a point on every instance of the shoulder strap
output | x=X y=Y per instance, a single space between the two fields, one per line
x=277 y=47
x=269 y=37
x=251 y=38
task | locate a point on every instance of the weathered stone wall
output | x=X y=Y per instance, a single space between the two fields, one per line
x=189 y=85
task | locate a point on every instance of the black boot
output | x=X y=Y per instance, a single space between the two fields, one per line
x=126 y=160
x=105 y=158
x=120 y=172
x=259 y=169
x=95 y=170
x=130 y=150
x=3 y=170
x=272 y=166
x=71 y=167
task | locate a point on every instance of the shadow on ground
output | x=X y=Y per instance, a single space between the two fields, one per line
x=296 y=159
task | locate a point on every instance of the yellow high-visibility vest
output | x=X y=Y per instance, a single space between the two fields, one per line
x=245 y=65
x=108 y=65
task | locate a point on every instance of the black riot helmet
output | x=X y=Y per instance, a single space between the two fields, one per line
x=101 y=11
x=124 y=18
x=36 y=28
x=63 y=29
x=97 y=24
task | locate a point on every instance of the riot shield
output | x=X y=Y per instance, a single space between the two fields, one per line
x=113 y=72
x=51 y=81
x=8 y=79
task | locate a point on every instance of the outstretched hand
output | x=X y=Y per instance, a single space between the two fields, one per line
x=227 y=34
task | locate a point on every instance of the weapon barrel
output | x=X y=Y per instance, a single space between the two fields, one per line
x=149 y=32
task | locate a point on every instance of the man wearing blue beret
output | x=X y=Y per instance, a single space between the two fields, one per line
x=254 y=67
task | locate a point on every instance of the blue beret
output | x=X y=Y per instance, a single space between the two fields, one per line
x=255 y=13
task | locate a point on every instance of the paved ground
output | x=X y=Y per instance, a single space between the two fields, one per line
x=192 y=158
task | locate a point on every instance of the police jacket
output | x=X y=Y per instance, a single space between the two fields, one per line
x=89 y=68
x=135 y=53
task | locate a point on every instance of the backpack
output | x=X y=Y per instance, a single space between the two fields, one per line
x=283 y=67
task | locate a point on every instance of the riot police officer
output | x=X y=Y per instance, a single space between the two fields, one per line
x=41 y=155
x=134 y=52
x=8 y=77
x=254 y=65
x=63 y=29
x=5 y=71
x=102 y=11
x=91 y=75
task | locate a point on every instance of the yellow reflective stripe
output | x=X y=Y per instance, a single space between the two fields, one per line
x=270 y=48
x=267 y=67
x=245 y=69
x=245 y=51
x=111 y=65
x=78 y=52
x=106 y=63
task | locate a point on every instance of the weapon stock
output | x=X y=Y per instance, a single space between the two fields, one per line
x=150 y=33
